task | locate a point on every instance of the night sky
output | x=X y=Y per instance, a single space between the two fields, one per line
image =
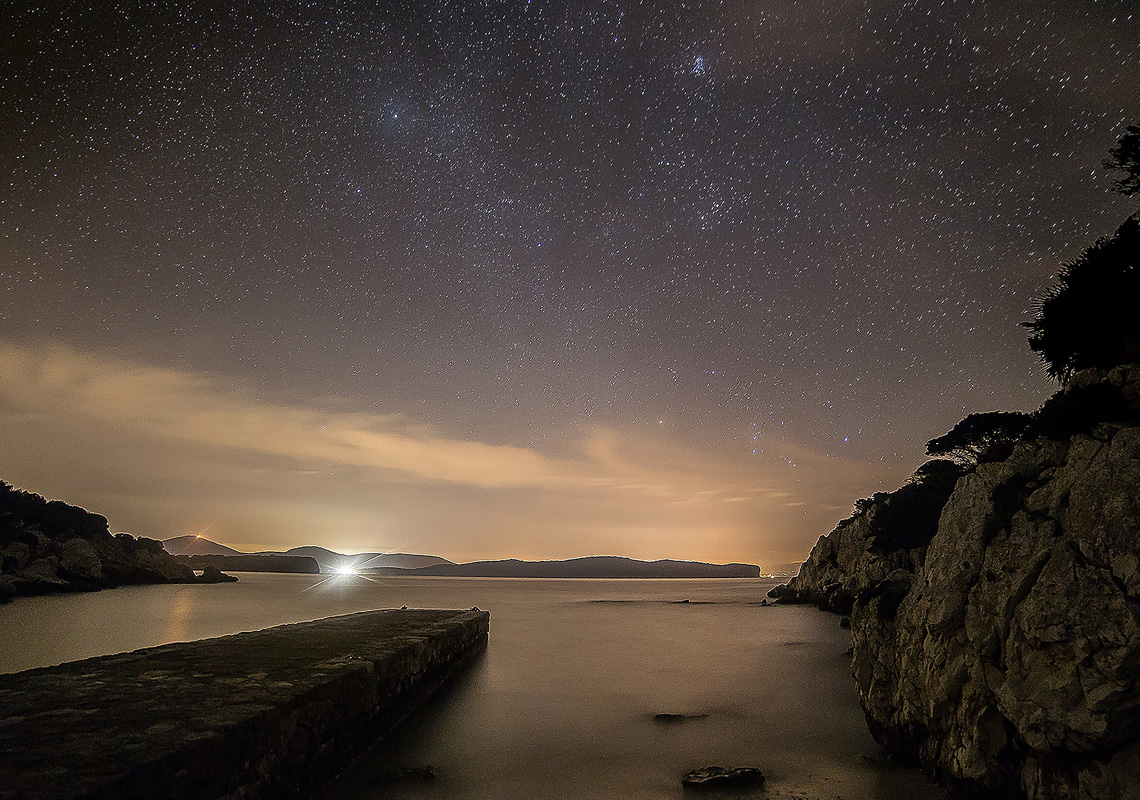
x=532 y=279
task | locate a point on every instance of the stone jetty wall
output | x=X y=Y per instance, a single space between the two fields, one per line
x=266 y=714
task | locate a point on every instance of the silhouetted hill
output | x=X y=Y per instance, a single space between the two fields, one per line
x=196 y=546
x=588 y=567
x=307 y=559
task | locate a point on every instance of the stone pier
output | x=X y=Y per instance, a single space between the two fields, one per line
x=267 y=714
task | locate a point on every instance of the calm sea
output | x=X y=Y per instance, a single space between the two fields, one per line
x=561 y=705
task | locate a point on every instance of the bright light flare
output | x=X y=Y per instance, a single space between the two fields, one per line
x=346 y=569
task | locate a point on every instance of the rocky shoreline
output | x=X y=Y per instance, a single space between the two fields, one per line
x=999 y=648
x=49 y=546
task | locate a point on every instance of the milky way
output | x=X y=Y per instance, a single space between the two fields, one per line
x=525 y=278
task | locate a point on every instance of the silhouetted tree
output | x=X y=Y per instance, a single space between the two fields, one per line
x=981 y=437
x=1089 y=318
x=1125 y=157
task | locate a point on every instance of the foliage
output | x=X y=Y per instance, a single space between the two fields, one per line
x=908 y=517
x=1089 y=317
x=1125 y=157
x=1081 y=409
x=980 y=437
x=22 y=511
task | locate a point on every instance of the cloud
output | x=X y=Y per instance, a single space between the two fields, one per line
x=197 y=408
x=164 y=451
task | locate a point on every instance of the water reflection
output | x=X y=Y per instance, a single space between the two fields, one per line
x=182 y=610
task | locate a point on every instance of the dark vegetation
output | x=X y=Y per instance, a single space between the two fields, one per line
x=1081 y=409
x=1125 y=157
x=908 y=517
x=1089 y=318
x=50 y=546
x=981 y=437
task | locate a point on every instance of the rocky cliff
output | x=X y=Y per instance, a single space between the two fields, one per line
x=1004 y=655
x=888 y=533
x=50 y=546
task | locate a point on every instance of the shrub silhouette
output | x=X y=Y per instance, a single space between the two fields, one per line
x=1125 y=157
x=1089 y=317
x=981 y=437
x=908 y=517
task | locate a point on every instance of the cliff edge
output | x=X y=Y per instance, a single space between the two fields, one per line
x=1003 y=652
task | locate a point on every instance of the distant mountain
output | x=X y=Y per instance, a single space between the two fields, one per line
x=331 y=561
x=196 y=546
x=588 y=567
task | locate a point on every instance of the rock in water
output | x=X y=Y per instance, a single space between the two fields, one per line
x=215 y=575
x=407 y=774
x=723 y=778
x=670 y=718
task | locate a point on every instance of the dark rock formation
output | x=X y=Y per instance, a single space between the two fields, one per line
x=212 y=574
x=50 y=546
x=723 y=778
x=674 y=719
x=1006 y=657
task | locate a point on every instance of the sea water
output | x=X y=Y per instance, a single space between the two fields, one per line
x=562 y=704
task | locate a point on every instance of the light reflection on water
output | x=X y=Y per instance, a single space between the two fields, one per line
x=561 y=705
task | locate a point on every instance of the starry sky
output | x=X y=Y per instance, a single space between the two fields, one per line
x=534 y=279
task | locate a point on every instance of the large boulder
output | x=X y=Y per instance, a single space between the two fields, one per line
x=39 y=577
x=160 y=567
x=78 y=561
x=14 y=556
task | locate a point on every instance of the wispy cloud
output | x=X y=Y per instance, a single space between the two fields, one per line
x=169 y=437
x=200 y=409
